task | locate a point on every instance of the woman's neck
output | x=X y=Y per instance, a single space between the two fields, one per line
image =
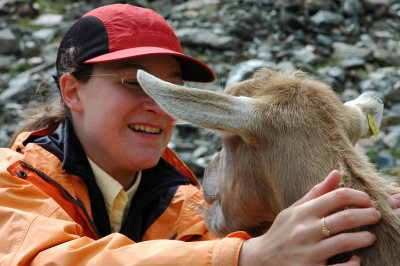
x=128 y=181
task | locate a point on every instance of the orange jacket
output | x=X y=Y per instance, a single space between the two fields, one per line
x=46 y=219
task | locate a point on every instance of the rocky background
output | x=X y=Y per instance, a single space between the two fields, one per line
x=353 y=45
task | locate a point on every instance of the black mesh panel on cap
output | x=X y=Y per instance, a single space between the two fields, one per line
x=89 y=38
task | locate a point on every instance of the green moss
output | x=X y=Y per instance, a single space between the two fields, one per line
x=362 y=74
x=396 y=153
x=24 y=22
x=52 y=7
x=372 y=154
x=17 y=68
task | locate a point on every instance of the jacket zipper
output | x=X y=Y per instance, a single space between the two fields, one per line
x=66 y=193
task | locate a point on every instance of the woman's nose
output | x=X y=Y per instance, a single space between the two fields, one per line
x=151 y=105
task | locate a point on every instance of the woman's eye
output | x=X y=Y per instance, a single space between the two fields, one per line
x=131 y=83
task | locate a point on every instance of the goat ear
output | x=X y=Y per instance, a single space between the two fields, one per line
x=208 y=109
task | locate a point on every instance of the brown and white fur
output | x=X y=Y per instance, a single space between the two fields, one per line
x=282 y=133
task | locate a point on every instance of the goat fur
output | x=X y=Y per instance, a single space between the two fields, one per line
x=282 y=133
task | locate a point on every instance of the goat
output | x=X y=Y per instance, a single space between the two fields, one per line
x=282 y=133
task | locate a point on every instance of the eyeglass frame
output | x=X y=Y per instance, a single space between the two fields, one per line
x=117 y=75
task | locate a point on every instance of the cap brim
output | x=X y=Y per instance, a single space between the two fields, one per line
x=192 y=68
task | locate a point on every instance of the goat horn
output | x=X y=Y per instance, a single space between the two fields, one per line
x=203 y=108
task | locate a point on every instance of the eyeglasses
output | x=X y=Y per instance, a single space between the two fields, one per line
x=126 y=79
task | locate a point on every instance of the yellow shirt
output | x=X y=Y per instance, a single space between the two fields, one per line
x=117 y=200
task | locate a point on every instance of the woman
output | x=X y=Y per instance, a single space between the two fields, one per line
x=94 y=182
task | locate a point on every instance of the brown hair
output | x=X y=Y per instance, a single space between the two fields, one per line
x=44 y=112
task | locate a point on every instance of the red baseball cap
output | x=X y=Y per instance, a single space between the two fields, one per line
x=122 y=31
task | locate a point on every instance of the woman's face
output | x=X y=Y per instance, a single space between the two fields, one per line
x=121 y=128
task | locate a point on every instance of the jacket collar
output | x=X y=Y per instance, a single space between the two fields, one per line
x=155 y=191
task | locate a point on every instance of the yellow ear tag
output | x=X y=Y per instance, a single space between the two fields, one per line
x=373 y=126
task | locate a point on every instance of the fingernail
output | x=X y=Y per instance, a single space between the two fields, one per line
x=379 y=214
x=373 y=204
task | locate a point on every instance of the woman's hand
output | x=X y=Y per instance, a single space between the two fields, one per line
x=296 y=238
x=394 y=200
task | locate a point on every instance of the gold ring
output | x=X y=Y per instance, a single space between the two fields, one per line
x=325 y=231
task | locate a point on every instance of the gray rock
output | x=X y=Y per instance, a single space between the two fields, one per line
x=353 y=8
x=393 y=94
x=6 y=62
x=48 y=20
x=326 y=17
x=316 y=5
x=395 y=10
x=35 y=61
x=377 y=3
x=245 y=69
x=392 y=139
x=8 y=42
x=264 y=52
x=201 y=37
x=194 y=5
x=44 y=35
x=30 y=48
x=352 y=63
x=17 y=89
x=345 y=50
x=395 y=108
x=289 y=4
x=384 y=161
x=306 y=55
x=349 y=94
x=200 y=151
x=324 y=40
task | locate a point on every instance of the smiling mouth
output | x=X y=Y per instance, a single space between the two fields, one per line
x=145 y=129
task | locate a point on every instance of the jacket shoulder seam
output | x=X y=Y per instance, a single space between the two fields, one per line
x=22 y=237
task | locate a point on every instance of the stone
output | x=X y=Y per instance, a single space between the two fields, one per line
x=306 y=55
x=6 y=61
x=8 y=42
x=200 y=37
x=353 y=8
x=352 y=63
x=384 y=161
x=392 y=139
x=245 y=69
x=17 y=89
x=326 y=17
x=48 y=20
x=345 y=50
x=44 y=35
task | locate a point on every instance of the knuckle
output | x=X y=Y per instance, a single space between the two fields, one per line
x=345 y=195
x=342 y=194
x=346 y=219
x=351 y=241
x=345 y=241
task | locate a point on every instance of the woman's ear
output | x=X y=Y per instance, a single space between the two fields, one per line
x=70 y=87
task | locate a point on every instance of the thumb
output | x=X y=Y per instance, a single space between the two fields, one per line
x=330 y=183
